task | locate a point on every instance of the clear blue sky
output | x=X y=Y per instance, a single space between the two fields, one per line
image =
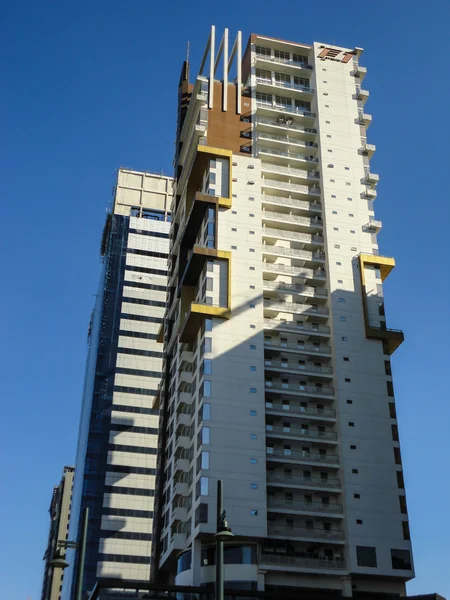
x=89 y=86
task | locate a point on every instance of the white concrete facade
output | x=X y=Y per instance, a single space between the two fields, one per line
x=284 y=391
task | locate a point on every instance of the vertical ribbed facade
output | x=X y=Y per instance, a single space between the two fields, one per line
x=116 y=455
x=277 y=354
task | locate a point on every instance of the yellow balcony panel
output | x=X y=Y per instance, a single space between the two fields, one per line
x=195 y=317
x=384 y=263
x=201 y=162
x=196 y=261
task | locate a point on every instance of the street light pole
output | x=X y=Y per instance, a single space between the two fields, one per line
x=219 y=544
x=223 y=533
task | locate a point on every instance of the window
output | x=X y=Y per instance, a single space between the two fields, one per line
x=206 y=411
x=352 y=447
x=252 y=287
x=337 y=245
x=253 y=486
x=352 y=231
x=252 y=368
x=204 y=485
x=351 y=215
x=207 y=366
x=341 y=300
x=366 y=556
x=253 y=413
x=330 y=150
x=331 y=180
x=234 y=247
x=205 y=460
x=254 y=512
x=349 y=401
x=253 y=436
x=328 y=122
x=208 y=324
x=350 y=199
x=251 y=232
x=206 y=389
x=354 y=249
x=343 y=319
x=252 y=326
x=233 y=229
x=401 y=559
x=253 y=461
x=207 y=346
x=348 y=380
x=234 y=212
x=346 y=359
x=355 y=471
x=357 y=496
x=251 y=215
x=340 y=281
x=344 y=338
x=335 y=228
x=251 y=249
x=347 y=168
x=252 y=390
x=334 y=211
x=333 y=196
x=252 y=268
x=205 y=435
x=252 y=347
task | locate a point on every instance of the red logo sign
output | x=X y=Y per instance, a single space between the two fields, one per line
x=336 y=55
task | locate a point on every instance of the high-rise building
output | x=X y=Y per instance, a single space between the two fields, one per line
x=116 y=454
x=59 y=530
x=277 y=352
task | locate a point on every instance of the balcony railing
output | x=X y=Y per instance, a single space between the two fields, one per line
x=307 y=367
x=290 y=126
x=310 y=482
x=294 y=432
x=296 y=110
x=305 y=506
x=290 y=171
x=296 y=308
x=287 y=154
x=306 y=411
x=303 y=532
x=302 y=455
x=300 y=204
x=298 y=272
x=295 y=289
x=296 y=328
x=288 y=185
x=293 y=235
x=301 y=389
x=283 y=61
x=307 y=562
x=277 y=216
x=287 y=140
x=310 y=256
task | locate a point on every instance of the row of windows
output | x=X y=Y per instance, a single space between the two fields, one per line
x=123 y=558
x=114 y=489
x=127 y=535
x=131 y=470
x=142 y=318
x=138 y=372
x=157 y=234
x=143 y=301
x=133 y=428
x=145 y=286
x=138 y=334
x=147 y=253
x=162 y=272
x=127 y=512
x=132 y=390
x=138 y=352
x=134 y=449
x=135 y=409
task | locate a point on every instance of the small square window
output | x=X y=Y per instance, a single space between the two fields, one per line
x=340 y=281
x=354 y=249
x=252 y=347
x=333 y=196
x=234 y=212
x=348 y=380
x=251 y=249
x=234 y=247
x=331 y=180
x=253 y=461
x=251 y=198
x=359 y=521
x=350 y=199
x=347 y=183
x=328 y=122
x=351 y=424
x=344 y=338
x=233 y=229
x=252 y=368
x=357 y=496
x=351 y=215
x=252 y=305
x=328 y=136
x=341 y=300
x=252 y=268
x=253 y=436
x=335 y=211
x=330 y=150
x=349 y=401
x=352 y=447
x=253 y=486
x=335 y=228
x=252 y=326
x=355 y=471
x=339 y=264
x=252 y=287
x=346 y=359
x=352 y=231
x=251 y=215
x=343 y=319
x=337 y=245
x=347 y=168
x=251 y=232
x=253 y=413
x=254 y=512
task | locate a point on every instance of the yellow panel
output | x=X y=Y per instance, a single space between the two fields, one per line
x=211 y=311
x=214 y=151
x=384 y=263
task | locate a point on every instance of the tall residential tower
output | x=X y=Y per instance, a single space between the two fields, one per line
x=116 y=455
x=277 y=353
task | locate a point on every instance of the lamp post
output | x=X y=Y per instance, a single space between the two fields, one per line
x=59 y=562
x=223 y=533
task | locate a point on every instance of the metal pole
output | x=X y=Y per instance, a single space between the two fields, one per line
x=219 y=544
x=82 y=555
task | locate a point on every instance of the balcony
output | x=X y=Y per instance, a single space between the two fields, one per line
x=368 y=149
x=296 y=308
x=359 y=72
x=294 y=236
x=285 y=124
x=301 y=433
x=300 y=390
x=178 y=541
x=182 y=465
x=308 y=329
x=262 y=82
x=369 y=194
x=290 y=187
x=363 y=119
x=316 y=483
x=373 y=226
x=179 y=513
x=299 y=272
x=370 y=179
x=271 y=107
x=301 y=205
x=298 y=563
x=302 y=456
x=182 y=441
x=181 y=488
x=263 y=58
x=295 y=289
x=306 y=369
x=313 y=223
x=361 y=94
x=290 y=141
x=298 y=506
x=183 y=420
x=274 y=250
x=303 y=533
x=290 y=171
x=283 y=410
x=184 y=398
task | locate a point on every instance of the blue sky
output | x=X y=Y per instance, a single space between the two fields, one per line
x=91 y=86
